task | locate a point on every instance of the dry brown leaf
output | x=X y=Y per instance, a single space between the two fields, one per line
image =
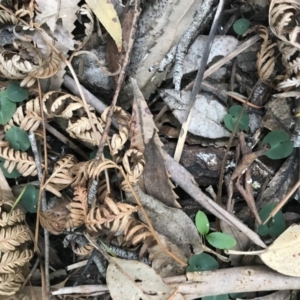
x=127 y=280
x=164 y=264
x=283 y=255
x=105 y=12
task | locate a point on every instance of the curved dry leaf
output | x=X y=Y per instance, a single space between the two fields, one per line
x=127 y=280
x=283 y=255
x=105 y=12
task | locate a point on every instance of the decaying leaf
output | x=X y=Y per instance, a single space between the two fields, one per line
x=283 y=255
x=156 y=178
x=144 y=137
x=105 y=12
x=127 y=280
x=207 y=113
x=164 y=264
x=170 y=222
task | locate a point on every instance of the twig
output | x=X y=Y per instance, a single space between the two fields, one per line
x=197 y=86
x=186 y=39
x=43 y=206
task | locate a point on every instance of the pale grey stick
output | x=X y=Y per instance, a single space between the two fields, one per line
x=236 y=280
x=186 y=183
x=37 y=160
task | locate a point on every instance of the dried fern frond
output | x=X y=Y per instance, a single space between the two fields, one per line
x=293 y=82
x=89 y=26
x=109 y=216
x=10 y=261
x=283 y=22
x=24 y=163
x=81 y=247
x=86 y=170
x=136 y=232
x=78 y=208
x=7 y=18
x=134 y=163
x=265 y=62
x=13 y=237
x=82 y=129
x=10 y=283
x=10 y=218
x=61 y=176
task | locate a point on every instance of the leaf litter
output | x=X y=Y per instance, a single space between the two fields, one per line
x=122 y=212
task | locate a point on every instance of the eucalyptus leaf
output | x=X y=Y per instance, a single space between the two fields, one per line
x=221 y=240
x=231 y=118
x=202 y=222
x=275 y=226
x=202 y=262
x=16 y=93
x=30 y=198
x=280 y=143
x=18 y=138
x=7 y=108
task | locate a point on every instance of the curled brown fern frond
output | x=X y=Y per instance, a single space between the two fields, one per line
x=61 y=176
x=24 y=163
x=265 y=62
x=86 y=170
x=10 y=261
x=109 y=216
x=283 y=21
x=27 y=117
x=81 y=247
x=13 y=237
x=78 y=208
x=134 y=163
x=136 y=232
x=10 y=283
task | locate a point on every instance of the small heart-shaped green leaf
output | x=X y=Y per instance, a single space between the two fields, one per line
x=240 y=26
x=16 y=93
x=202 y=262
x=276 y=225
x=280 y=143
x=202 y=222
x=18 y=138
x=14 y=174
x=221 y=240
x=231 y=118
x=30 y=198
x=7 y=108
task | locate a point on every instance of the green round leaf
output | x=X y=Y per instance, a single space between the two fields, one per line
x=202 y=222
x=18 y=138
x=276 y=226
x=30 y=198
x=231 y=118
x=202 y=262
x=240 y=26
x=216 y=297
x=14 y=174
x=280 y=144
x=7 y=108
x=221 y=240
x=15 y=93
